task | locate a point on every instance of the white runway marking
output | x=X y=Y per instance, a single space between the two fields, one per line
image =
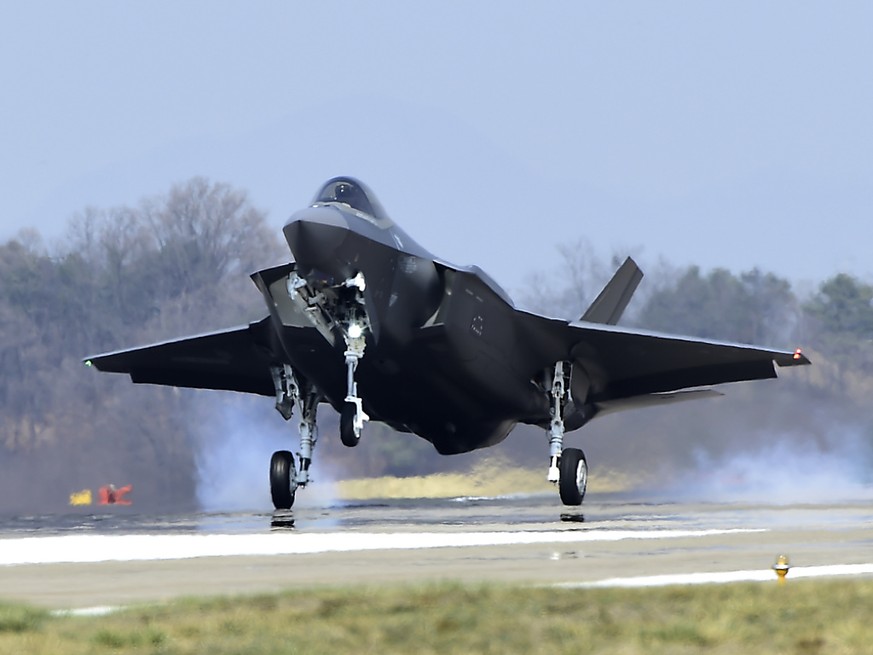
x=765 y=575
x=126 y=548
x=100 y=610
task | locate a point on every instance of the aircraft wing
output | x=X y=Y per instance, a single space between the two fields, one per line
x=238 y=359
x=623 y=363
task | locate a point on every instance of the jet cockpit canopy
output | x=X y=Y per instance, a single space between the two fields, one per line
x=353 y=193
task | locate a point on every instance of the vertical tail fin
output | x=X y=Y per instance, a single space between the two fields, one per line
x=608 y=307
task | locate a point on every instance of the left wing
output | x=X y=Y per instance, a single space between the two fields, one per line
x=235 y=360
x=624 y=363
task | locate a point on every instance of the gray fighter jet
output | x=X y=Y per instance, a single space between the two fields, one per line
x=367 y=320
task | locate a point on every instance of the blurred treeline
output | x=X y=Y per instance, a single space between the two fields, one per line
x=178 y=264
x=119 y=278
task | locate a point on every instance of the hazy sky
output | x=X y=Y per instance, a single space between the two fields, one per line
x=733 y=134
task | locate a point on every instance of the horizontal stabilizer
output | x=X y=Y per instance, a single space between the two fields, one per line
x=608 y=307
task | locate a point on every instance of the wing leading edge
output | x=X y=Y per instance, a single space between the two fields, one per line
x=238 y=359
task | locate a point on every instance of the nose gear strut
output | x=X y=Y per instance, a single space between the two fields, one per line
x=334 y=310
x=352 y=417
x=338 y=309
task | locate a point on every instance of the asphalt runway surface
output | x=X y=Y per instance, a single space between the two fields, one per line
x=119 y=557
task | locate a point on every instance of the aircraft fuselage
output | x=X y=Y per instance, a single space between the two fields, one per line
x=438 y=339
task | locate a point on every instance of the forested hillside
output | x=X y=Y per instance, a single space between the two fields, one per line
x=122 y=277
x=179 y=263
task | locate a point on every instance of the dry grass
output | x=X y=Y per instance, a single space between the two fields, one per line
x=803 y=617
x=493 y=478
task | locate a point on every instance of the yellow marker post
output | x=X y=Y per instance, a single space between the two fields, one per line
x=781 y=567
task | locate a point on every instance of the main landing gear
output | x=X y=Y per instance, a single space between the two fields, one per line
x=568 y=467
x=285 y=476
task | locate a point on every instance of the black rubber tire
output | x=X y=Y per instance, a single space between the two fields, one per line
x=571 y=491
x=282 y=471
x=347 y=425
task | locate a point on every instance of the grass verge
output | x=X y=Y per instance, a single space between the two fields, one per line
x=492 y=478
x=803 y=617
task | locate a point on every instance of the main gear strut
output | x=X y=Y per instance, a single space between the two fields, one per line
x=285 y=476
x=560 y=389
x=568 y=467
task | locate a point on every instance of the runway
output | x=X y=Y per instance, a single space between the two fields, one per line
x=118 y=557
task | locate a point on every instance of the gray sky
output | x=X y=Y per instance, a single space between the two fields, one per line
x=733 y=134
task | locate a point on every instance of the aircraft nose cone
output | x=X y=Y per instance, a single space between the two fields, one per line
x=316 y=240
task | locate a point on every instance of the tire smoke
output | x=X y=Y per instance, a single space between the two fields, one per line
x=788 y=470
x=236 y=442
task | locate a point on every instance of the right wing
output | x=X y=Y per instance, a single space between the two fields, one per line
x=238 y=359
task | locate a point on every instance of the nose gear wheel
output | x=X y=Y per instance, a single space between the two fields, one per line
x=348 y=434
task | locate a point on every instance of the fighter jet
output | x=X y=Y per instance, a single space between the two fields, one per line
x=368 y=321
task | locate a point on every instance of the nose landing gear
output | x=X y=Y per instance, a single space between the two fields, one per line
x=352 y=416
